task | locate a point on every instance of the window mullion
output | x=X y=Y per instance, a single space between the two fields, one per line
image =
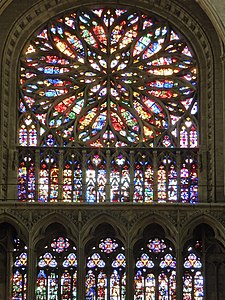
x=37 y=173
x=108 y=171
x=84 y=180
x=155 y=176
x=178 y=168
x=131 y=176
x=60 y=178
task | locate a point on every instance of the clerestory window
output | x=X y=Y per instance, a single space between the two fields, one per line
x=108 y=110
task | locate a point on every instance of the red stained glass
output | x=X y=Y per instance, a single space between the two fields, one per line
x=108 y=78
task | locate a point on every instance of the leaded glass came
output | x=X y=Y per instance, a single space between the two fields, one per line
x=193 y=280
x=155 y=271
x=105 y=272
x=19 y=276
x=57 y=271
x=118 y=81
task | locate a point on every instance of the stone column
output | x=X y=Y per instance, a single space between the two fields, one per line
x=81 y=266
x=32 y=271
x=179 y=263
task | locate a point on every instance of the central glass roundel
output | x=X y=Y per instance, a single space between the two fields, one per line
x=107 y=78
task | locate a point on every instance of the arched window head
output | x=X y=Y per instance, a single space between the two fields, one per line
x=193 y=280
x=105 y=270
x=112 y=78
x=57 y=270
x=19 y=277
x=155 y=270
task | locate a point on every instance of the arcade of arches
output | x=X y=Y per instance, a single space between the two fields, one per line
x=112 y=150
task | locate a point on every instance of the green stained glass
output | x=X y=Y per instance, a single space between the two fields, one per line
x=102 y=77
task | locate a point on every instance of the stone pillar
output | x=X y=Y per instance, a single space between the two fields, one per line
x=12 y=175
x=179 y=263
x=3 y=273
x=130 y=273
x=32 y=272
x=81 y=264
x=223 y=93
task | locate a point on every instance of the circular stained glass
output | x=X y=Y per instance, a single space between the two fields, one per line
x=109 y=77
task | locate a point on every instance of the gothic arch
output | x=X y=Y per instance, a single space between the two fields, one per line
x=20 y=228
x=79 y=221
x=88 y=231
x=188 y=228
x=39 y=229
x=136 y=231
x=193 y=31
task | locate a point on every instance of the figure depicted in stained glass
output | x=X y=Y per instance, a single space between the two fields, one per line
x=193 y=280
x=106 y=271
x=155 y=276
x=19 y=279
x=109 y=78
x=57 y=271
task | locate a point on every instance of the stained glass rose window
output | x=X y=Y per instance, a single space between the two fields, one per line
x=107 y=78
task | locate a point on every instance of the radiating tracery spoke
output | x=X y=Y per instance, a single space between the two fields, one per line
x=109 y=77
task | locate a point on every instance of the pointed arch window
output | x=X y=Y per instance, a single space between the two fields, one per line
x=57 y=270
x=19 y=277
x=193 y=279
x=155 y=270
x=105 y=271
x=111 y=78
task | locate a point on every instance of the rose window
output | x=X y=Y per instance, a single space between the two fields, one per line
x=109 y=77
x=108 y=80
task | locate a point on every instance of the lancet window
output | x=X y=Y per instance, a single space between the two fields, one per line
x=105 y=271
x=155 y=270
x=57 y=270
x=19 y=276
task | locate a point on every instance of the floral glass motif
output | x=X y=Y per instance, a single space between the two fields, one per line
x=19 y=279
x=57 y=271
x=193 y=280
x=155 y=272
x=106 y=271
x=108 y=78
x=60 y=245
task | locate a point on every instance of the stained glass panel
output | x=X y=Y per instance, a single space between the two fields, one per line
x=96 y=178
x=72 y=178
x=193 y=280
x=155 y=272
x=57 y=271
x=19 y=278
x=143 y=178
x=48 y=177
x=135 y=90
x=106 y=271
x=120 y=178
x=109 y=78
x=26 y=177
